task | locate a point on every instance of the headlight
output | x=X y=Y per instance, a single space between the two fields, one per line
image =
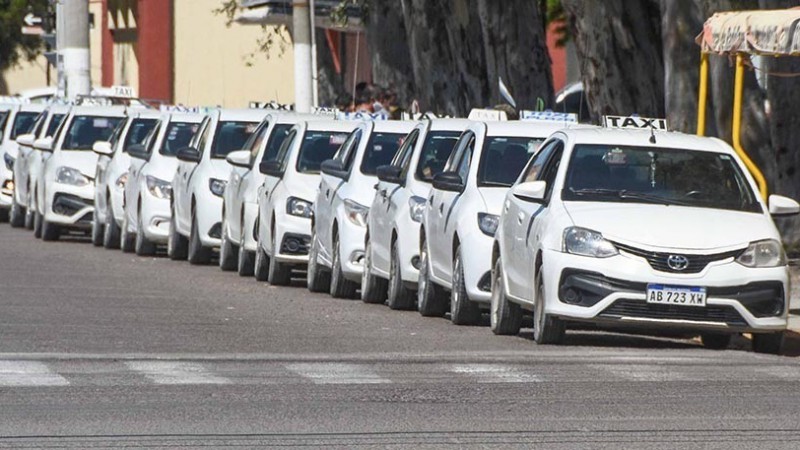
x=73 y=177
x=580 y=241
x=299 y=207
x=217 y=187
x=122 y=180
x=416 y=207
x=9 y=160
x=766 y=253
x=356 y=213
x=158 y=187
x=488 y=223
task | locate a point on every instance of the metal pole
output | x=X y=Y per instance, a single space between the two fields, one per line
x=702 y=99
x=75 y=48
x=301 y=33
x=738 y=92
x=314 y=73
x=61 y=82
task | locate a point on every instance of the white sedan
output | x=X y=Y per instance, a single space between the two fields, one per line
x=392 y=248
x=19 y=121
x=641 y=229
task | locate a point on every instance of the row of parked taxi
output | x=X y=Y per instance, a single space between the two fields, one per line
x=627 y=225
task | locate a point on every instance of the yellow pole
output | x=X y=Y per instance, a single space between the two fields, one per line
x=738 y=89
x=702 y=96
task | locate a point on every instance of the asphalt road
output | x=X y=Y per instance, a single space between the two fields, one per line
x=104 y=349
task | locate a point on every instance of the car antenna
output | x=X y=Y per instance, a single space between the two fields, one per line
x=652 y=135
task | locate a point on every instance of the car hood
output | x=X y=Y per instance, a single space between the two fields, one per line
x=672 y=227
x=493 y=198
x=83 y=160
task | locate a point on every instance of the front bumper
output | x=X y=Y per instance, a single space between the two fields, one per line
x=293 y=238
x=476 y=256
x=248 y=227
x=209 y=218
x=71 y=206
x=156 y=214
x=613 y=290
x=351 y=247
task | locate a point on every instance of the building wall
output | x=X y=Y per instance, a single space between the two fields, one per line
x=211 y=60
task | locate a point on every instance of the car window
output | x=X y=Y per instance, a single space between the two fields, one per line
x=347 y=152
x=403 y=154
x=38 y=124
x=253 y=144
x=548 y=175
x=84 y=131
x=380 y=151
x=283 y=151
x=202 y=139
x=177 y=136
x=23 y=123
x=3 y=120
x=152 y=137
x=117 y=132
x=55 y=122
x=276 y=138
x=138 y=132
x=466 y=158
x=436 y=150
x=231 y=136
x=534 y=168
x=318 y=146
x=503 y=159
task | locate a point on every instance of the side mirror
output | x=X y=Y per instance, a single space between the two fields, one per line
x=240 y=158
x=448 y=181
x=44 y=144
x=390 y=174
x=333 y=168
x=532 y=191
x=271 y=168
x=138 y=151
x=188 y=154
x=780 y=206
x=26 y=140
x=102 y=148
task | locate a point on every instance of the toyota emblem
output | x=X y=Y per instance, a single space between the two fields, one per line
x=677 y=262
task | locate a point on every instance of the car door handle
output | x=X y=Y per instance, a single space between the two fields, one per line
x=441 y=208
x=520 y=217
x=327 y=193
x=382 y=192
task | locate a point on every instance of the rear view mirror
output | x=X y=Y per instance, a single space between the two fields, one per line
x=532 y=191
x=448 y=181
x=102 y=148
x=44 y=144
x=390 y=174
x=26 y=140
x=240 y=158
x=780 y=206
x=138 y=151
x=271 y=168
x=188 y=154
x=333 y=168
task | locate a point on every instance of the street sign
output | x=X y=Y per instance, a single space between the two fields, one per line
x=32 y=25
x=33 y=31
x=32 y=20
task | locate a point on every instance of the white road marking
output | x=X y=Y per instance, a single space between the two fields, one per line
x=495 y=373
x=337 y=373
x=29 y=373
x=642 y=372
x=174 y=372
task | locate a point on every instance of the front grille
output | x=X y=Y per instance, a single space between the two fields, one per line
x=216 y=231
x=485 y=283
x=641 y=309
x=696 y=263
x=68 y=204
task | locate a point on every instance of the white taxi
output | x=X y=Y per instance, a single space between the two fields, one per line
x=462 y=214
x=641 y=228
x=285 y=198
x=336 y=257
x=392 y=248
x=19 y=121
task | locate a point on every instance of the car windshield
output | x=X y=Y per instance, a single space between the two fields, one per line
x=178 y=135
x=54 y=124
x=380 y=151
x=318 y=146
x=503 y=158
x=84 y=131
x=435 y=152
x=277 y=137
x=231 y=136
x=138 y=132
x=23 y=123
x=668 y=176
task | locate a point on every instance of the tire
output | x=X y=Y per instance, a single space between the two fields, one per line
x=177 y=245
x=198 y=254
x=228 y=252
x=247 y=260
x=769 y=343
x=111 y=233
x=715 y=341
x=505 y=317
x=17 y=215
x=127 y=241
x=3 y=215
x=30 y=215
x=431 y=299
x=261 y=264
x=463 y=311
x=144 y=247
x=50 y=231
x=341 y=287
x=97 y=231
x=374 y=289
x=399 y=296
x=37 y=225
x=279 y=274
x=318 y=279
x=546 y=328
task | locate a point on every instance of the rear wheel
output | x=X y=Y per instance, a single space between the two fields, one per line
x=318 y=279
x=50 y=231
x=770 y=343
x=111 y=232
x=261 y=269
x=228 y=252
x=280 y=274
x=546 y=328
x=144 y=247
x=177 y=245
x=400 y=297
x=341 y=287
x=715 y=341
x=3 y=215
x=373 y=288
x=17 y=215
x=197 y=253
x=247 y=259
x=463 y=311
x=505 y=317
x=431 y=299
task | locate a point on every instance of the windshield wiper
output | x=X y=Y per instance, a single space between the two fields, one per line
x=625 y=194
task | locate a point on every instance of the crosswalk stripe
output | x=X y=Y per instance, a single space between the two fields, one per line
x=29 y=373
x=173 y=372
x=495 y=373
x=337 y=373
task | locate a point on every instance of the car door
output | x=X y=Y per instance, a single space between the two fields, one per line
x=517 y=215
x=271 y=182
x=327 y=191
x=183 y=178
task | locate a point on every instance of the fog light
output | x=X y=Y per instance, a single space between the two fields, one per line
x=415 y=262
x=572 y=296
x=292 y=245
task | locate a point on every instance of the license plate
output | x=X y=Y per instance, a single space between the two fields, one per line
x=676 y=295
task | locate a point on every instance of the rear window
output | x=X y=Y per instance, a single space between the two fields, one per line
x=380 y=151
x=55 y=122
x=503 y=159
x=138 y=132
x=84 y=131
x=435 y=151
x=178 y=135
x=318 y=146
x=23 y=123
x=231 y=136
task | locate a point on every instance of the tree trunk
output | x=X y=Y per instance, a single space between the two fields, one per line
x=619 y=47
x=391 y=60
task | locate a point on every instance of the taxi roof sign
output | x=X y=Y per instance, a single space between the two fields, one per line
x=373 y=117
x=487 y=114
x=635 y=122
x=548 y=116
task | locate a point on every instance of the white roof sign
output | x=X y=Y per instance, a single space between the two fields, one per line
x=635 y=122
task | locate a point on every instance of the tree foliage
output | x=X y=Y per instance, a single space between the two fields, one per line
x=14 y=46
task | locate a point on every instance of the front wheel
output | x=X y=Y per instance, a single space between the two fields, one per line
x=280 y=274
x=317 y=279
x=715 y=341
x=400 y=297
x=246 y=261
x=463 y=311
x=341 y=287
x=261 y=265
x=431 y=299
x=373 y=288
x=228 y=252
x=177 y=245
x=546 y=328
x=17 y=215
x=127 y=241
x=30 y=215
x=505 y=317
x=97 y=231
x=50 y=231
x=111 y=233
x=144 y=246
x=770 y=343
x=38 y=220
x=197 y=253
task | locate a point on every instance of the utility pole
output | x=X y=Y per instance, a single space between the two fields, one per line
x=301 y=34
x=74 y=46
